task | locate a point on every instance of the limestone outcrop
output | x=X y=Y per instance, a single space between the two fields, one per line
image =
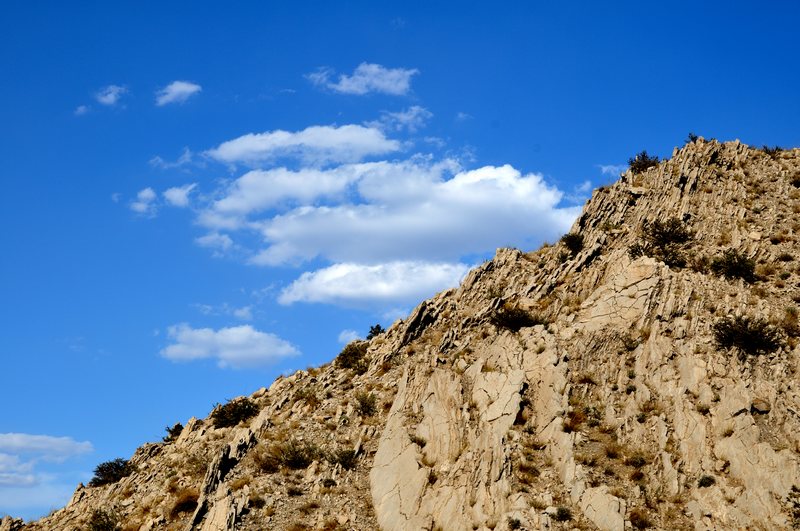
x=585 y=386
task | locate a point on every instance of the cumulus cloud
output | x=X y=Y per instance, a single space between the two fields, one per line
x=179 y=195
x=411 y=119
x=367 y=77
x=352 y=284
x=110 y=95
x=145 y=201
x=313 y=145
x=21 y=453
x=407 y=215
x=236 y=347
x=80 y=110
x=176 y=92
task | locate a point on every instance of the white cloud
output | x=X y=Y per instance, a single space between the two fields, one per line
x=186 y=158
x=145 y=202
x=80 y=110
x=116 y=196
x=43 y=446
x=176 y=92
x=402 y=214
x=110 y=95
x=348 y=336
x=412 y=119
x=612 y=169
x=462 y=116
x=366 y=78
x=313 y=145
x=245 y=313
x=21 y=457
x=236 y=347
x=216 y=241
x=179 y=195
x=351 y=284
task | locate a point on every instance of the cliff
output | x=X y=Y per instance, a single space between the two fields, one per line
x=639 y=373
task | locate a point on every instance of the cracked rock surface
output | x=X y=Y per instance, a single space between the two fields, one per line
x=551 y=390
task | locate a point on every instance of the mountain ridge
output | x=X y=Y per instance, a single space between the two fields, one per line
x=587 y=384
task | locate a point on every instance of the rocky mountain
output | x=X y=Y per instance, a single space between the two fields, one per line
x=640 y=373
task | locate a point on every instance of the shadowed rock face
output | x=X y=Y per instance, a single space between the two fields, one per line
x=618 y=410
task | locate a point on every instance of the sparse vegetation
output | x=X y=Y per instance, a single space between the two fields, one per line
x=773 y=151
x=185 y=502
x=375 y=331
x=173 y=432
x=733 y=264
x=642 y=161
x=353 y=357
x=309 y=395
x=563 y=514
x=662 y=234
x=573 y=242
x=295 y=454
x=234 y=412
x=639 y=519
x=665 y=241
x=513 y=318
x=706 y=481
x=345 y=457
x=691 y=138
x=365 y=404
x=103 y=521
x=292 y=454
x=749 y=335
x=111 y=472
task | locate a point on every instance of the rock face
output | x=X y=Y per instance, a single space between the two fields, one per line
x=583 y=386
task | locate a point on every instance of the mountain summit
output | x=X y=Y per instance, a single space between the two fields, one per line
x=640 y=373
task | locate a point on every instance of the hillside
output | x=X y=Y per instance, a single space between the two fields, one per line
x=639 y=373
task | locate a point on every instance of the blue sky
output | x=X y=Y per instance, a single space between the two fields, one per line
x=198 y=196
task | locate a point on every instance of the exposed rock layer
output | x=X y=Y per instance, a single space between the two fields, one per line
x=617 y=410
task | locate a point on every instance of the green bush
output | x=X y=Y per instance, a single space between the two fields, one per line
x=185 y=502
x=665 y=241
x=662 y=234
x=344 y=457
x=573 y=242
x=706 y=481
x=234 y=412
x=563 y=514
x=103 y=521
x=111 y=472
x=365 y=404
x=639 y=519
x=513 y=318
x=292 y=454
x=773 y=151
x=749 y=335
x=173 y=432
x=733 y=264
x=352 y=357
x=642 y=161
x=375 y=331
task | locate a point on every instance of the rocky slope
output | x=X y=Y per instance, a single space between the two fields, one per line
x=585 y=385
